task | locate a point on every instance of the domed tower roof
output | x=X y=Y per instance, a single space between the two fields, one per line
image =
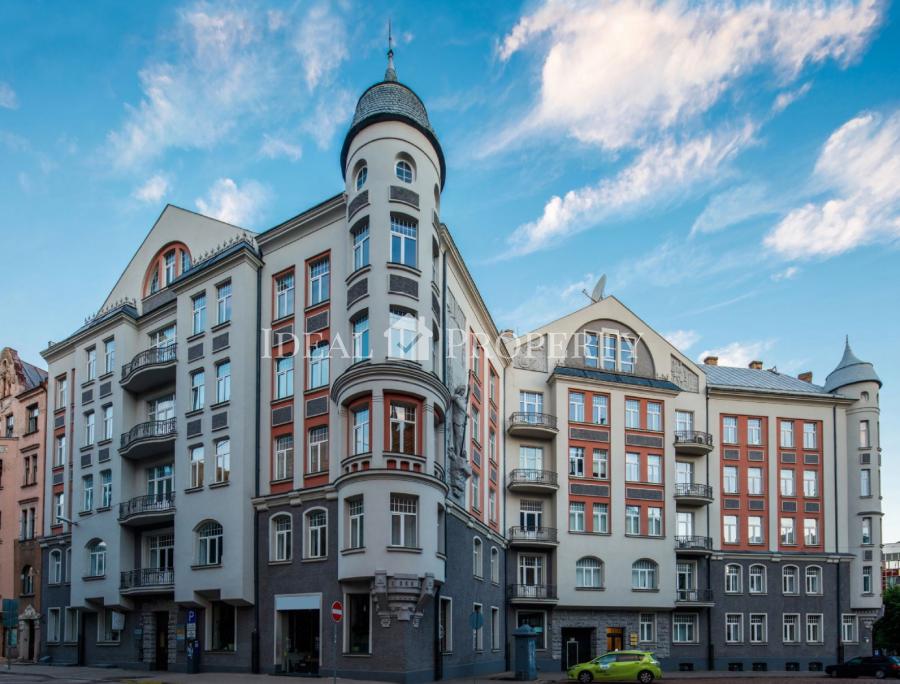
x=850 y=370
x=390 y=100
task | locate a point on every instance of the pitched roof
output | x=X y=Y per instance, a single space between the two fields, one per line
x=624 y=378
x=762 y=380
x=34 y=376
x=850 y=370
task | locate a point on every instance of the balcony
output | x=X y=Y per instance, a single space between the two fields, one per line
x=533 y=536
x=693 y=544
x=527 y=480
x=148 y=439
x=532 y=593
x=147 y=581
x=147 y=510
x=693 y=442
x=532 y=425
x=151 y=368
x=694 y=596
x=693 y=494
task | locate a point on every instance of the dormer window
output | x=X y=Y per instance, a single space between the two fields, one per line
x=610 y=350
x=169 y=263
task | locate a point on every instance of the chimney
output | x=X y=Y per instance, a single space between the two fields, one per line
x=711 y=360
x=755 y=365
x=805 y=377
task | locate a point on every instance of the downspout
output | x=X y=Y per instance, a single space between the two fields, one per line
x=255 y=665
x=438 y=656
x=710 y=649
x=837 y=546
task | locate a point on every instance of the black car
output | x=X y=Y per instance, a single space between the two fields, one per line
x=875 y=666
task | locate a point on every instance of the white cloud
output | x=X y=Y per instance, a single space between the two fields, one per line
x=859 y=168
x=153 y=190
x=8 y=98
x=787 y=274
x=321 y=41
x=659 y=173
x=547 y=303
x=330 y=113
x=738 y=354
x=228 y=202
x=273 y=147
x=682 y=339
x=788 y=97
x=734 y=206
x=616 y=72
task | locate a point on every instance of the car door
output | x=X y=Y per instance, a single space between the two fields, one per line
x=600 y=667
x=850 y=668
x=625 y=668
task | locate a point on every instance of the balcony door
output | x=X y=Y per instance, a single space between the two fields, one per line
x=531 y=402
x=684 y=421
x=161 y=551
x=684 y=472
x=684 y=524
x=686 y=579
x=531 y=514
x=531 y=576
x=160 y=482
x=164 y=337
x=531 y=458
x=162 y=408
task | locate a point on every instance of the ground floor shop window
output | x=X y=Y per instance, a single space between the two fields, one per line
x=300 y=643
x=446 y=618
x=537 y=620
x=359 y=623
x=223 y=620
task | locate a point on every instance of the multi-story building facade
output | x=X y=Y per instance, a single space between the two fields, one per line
x=255 y=426
x=23 y=403
x=890 y=565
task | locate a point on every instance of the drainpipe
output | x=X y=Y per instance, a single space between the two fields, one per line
x=837 y=546
x=254 y=654
x=710 y=649
x=438 y=656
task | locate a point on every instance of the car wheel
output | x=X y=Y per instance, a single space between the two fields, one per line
x=880 y=674
x=645 y=676
x=585 y=677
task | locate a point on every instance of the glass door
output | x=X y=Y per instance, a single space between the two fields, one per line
x=160 y=482
x=685 y=580
x=162 y=408
x=684 y=472
x=531 y=514
x=684 y=524
x=531 y=576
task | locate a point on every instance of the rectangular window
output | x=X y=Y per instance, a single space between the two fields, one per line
x=754 y=431
x=318 y=365
x=865 y=482
x=790 y=628
x=284 y=295
x=356 y=523
x=734 y=628
x=478 y=632
x=787 y=482
x=404 y=236
x=109 y=354
x=106 y=623
x=576 y=461
x=360 y=421
x=105 y=488
x=867 y=530
x=223 y=460
x=730 y=480
x=319 y=281
x=359 y=624
x=107 y=422
x=361 y=246
x=88 y=428
x=729 y=430
x=684 y=422
x=849 y=629
x=223 y=302
x=59 y=507
x=610 y=343
x=284 y=377
x=360 y=334
x=647 y=628
x=476 y=491
x=730 y=529
x=91 y=364
x=576 y=516
x=87 y=493
x=810 y=483
x=316 y=534
x=53 y=625
x=492 y=505
x=495 y=628
x=864 y=438
x=809 y=436
x=576 y=407
x=754 y=530
x=601 y=518
x=317 y=457
x=684 y=628
x=654 y=469
x=71 y=625
x=404 y=520
x=223 y=382
x=632 y=519
x=787 y=531
x=61 y=392
x=654 y=522
x=224 y=627
x=284 y=457
x=198 y=313
x=600 y=404
x=403 y=433
x=755 y=481
x=632 y=414
x=446 y=624
x=813 y=629
x=654 y=416
x=633 y=467
x=402 y=334
x=198 y=390
x=59 y=453
x=591 y=350
x=787 y=434
x=196 y=466
x=601 y=464
x=759 y=631
x=626 y=362
x=867 y=579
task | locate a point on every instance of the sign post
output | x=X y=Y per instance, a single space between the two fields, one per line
x=337 y=614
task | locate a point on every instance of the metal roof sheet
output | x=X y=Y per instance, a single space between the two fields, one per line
x=763 y=380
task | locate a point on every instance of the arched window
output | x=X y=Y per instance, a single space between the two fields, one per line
x=403 y=169
x=477 y=557
x=209 y=543
x=813 y=579
x=790 y=580
x=317 y=533
x=168 y=263
x=362 y=173
x=281 y=538
x=27 y=580
x=495 y=565
x=733 y=578
x=589 y=573
x=96 y=558
x=56 y=566
x=644 y=574
x=757 y=580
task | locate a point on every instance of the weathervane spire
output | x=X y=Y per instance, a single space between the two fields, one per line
x=390 y=73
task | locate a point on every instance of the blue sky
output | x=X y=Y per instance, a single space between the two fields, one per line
x=734 y=169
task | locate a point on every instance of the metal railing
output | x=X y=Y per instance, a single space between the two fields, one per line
x=693 y=437
x=693 y=542
x=532 y=591
x=540 y=420
x=149 y=357
x=146 y=577
x=529 y=476
x=694 y=596
x=149 y=503
x=150 y=429
x=536 y=534
x=693 y=489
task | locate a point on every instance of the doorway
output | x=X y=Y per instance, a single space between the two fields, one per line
x=162 y=640
x=300 y=641
x=31 y=640
x=615 y=638
x=578 y=645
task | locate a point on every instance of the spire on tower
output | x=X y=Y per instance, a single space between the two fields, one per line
x=390 y=73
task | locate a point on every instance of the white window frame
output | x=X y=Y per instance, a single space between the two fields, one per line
x=790 y=621
x=734 y=628
x=281 y=538
x=284 y=457
x=316 y=546
x=760 y=620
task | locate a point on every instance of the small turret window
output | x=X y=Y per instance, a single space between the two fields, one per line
x=404 y=171
x=361 y=175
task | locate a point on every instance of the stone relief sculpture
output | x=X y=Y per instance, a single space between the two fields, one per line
x=459 y=471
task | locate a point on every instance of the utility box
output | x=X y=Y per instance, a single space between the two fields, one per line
x=525 y=653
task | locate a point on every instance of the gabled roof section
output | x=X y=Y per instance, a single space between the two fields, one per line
x=621 y=378
x=761 y=380
x=851 y=370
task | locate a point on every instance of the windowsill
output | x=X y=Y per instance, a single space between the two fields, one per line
x=593 y=534
x=93 y=578
x=317 y=388
x=280 y=562
x=318 y=473
x=352 y=551
x=104 y=441
x=317 y=305
x=215 y=652
x=206 y=566
x=645 y=591
x=282 y=480
x=107 y=374
x=88 y=383
x=220 y=326
x=221 y=404
x=103 y=509
x=194 y=412
x=191 y=490
x=86 y=447
x=84 y=513
x=109 y=643
x=404 y=267
x=645 y=536
x=217 y=485
x=590 y=588
x=357 y=273
x=314 y=560
x=283 y=319
x=195 y=336
x=403 y=549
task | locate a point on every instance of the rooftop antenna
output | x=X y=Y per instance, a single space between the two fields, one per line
x=598 y=293
x=390 y=74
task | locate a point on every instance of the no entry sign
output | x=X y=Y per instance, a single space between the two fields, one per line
x=337 y=611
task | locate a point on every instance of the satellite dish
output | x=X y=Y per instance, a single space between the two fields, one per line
x=597 y=294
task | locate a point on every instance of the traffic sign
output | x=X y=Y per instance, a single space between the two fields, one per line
x=337 y=611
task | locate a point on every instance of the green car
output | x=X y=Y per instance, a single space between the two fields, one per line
x=619 y=666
